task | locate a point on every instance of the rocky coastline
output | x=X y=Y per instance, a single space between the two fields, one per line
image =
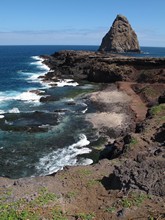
x=129 y=179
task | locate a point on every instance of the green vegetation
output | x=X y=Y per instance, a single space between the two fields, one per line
x=134 y=141
x=30 y=207
x=150 y=91
x=92 y=182
x=110 y=209
x=135 y=199
x=132 y=200
x=71 y=194
x=157 y=109
x=58 y=215
x=84 y=172
x=84 y=216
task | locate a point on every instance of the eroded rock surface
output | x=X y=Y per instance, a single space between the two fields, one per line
x=120 y=38
x=103 y=67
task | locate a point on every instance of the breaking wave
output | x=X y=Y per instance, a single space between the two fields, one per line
x=67 y=156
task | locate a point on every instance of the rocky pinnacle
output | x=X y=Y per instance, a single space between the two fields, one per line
x=120 y=38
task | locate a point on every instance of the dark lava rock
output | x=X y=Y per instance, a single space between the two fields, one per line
x=103 y=67
x=71 y=103
x=161 y=99
x=140 y=127
x=160 y=135
x=120 y=38
x=116 y=149
x=48 y=98
x=148 y=175
x=30 y=122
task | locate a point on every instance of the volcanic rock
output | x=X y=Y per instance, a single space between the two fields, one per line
x=161 y=98
x=120 y=38
x=147 y=175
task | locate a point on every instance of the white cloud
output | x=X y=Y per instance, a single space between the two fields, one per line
x=65 y=36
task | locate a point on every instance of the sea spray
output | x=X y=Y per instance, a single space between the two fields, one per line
x=67 y=156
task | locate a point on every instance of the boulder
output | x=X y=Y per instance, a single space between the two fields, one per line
x=120 y=38
x=161 y=99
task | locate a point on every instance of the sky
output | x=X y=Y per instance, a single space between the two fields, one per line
x=78 y=22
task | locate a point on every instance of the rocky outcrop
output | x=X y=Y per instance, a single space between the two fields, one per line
x=104 y=67
x=120 y=38
x=147 y=175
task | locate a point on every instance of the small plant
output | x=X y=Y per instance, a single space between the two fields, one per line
x=157 y=109
x=5 y=194
x=44 y=197
x=26 y=208
x=126 y=203
x=85 y=172
x=84 y=216
x=71 y=194
x=151 y=218
x=132 y=200
x=110 y=209
x=58 y=215
x=139 y=198
x=134 y=141
x=92 y=182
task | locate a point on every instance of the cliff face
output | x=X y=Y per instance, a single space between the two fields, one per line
x=120 y=38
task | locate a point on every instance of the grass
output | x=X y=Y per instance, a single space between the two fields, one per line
x=110 y=209
x=92 y=182
x=71 y=194
x=134 y=141
x=84 y=216
x=84 y=172
x=149 y=91
x=135 y=199
x=157 y=109
x=58 y=215
x=43 y=205
x=132 y=200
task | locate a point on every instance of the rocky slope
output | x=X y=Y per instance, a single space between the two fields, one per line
x=120 y=38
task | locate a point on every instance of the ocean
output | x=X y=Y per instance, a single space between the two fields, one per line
x=36 y=138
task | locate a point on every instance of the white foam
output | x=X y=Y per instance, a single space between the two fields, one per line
x=34 y=77
x=66 y=82
x=60 y=158
x=39 y=63
x=86 y=161
x=84 y=111
x=14 y=110
x=24 y=96
x=8 y=123
x=2 y=116
x=4 y=96
x=28 y=96
x=2 y=112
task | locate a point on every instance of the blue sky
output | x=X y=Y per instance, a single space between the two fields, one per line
x=78 y=22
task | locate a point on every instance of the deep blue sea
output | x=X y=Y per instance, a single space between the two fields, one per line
x=35 y=137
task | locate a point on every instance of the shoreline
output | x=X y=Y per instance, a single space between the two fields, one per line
x=131 y=167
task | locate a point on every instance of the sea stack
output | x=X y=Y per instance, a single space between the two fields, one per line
x=120 y=38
